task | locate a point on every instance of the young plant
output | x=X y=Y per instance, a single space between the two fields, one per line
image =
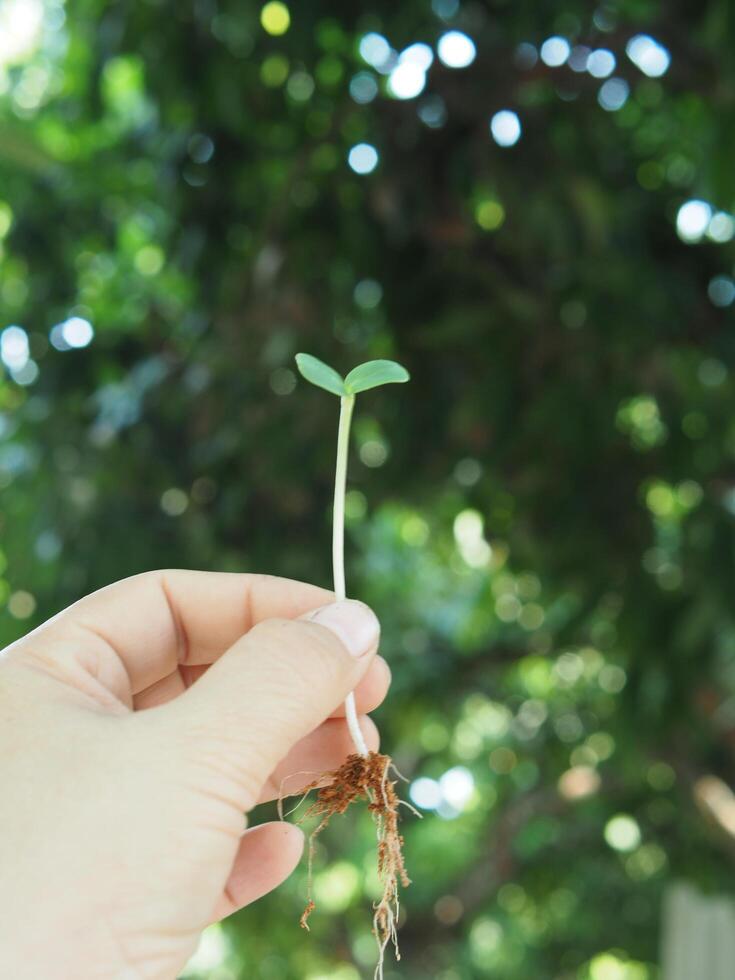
x=365 y=774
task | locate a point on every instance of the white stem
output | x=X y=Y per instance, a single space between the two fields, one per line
x=347 y=403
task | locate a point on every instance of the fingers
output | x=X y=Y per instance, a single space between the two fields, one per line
x=372 y=689
x=161 y=692
x=266 y=857
x=270 y=852
x=138 y=631
x=369 y=693
x=320 y=752
x=272 y=688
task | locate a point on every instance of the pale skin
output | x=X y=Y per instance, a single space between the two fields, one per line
x=137 y=728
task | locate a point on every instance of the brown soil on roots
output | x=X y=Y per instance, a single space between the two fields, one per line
x=366 y=777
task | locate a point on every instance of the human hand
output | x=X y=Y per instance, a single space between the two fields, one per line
x=127 y=762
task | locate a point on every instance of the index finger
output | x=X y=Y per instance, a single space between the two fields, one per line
x=158 y=621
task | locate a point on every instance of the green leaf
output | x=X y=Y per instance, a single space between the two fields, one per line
x=320 y=374
x=374 y=373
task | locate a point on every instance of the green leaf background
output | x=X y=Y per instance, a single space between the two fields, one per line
x=544 y=519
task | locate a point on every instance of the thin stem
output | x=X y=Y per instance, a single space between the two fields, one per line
x=347 y=403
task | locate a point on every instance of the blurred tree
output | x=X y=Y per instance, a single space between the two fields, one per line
x=540 y=224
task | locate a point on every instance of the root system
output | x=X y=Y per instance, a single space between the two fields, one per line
x=366 y=777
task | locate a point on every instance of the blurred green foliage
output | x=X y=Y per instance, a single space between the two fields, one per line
x=544 y=518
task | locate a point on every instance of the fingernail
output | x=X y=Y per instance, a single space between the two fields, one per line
x=353 y=622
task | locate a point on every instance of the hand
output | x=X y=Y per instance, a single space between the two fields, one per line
x=127 y=762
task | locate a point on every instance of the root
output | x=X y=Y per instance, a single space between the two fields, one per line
x=304 y=792
x=365 y=777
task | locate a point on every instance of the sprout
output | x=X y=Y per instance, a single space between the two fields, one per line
x=364 y=774
x=371 y=374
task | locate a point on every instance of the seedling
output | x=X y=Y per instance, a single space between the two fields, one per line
x=365 y=774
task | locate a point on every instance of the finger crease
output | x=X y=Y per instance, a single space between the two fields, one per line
x=98 y=634
x=182 y=638
x=248 y=611
x=229 y=897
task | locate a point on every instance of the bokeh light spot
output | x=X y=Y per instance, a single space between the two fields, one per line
x=508 y=608
x=612 y=679
x=212 y=953
x=661 y=776
x=467 y=472
x=613 y=94
x=503 y=760
x=14 y=347
x=76 y=332
x=414 y=531
x=6 y=219
x=275 y=18
x=174 y=502
x=448 y=909
x=468 y=534
x=532 y=616
x=337 y=886
x=456 y=50
x=201 y=148
x=525 y=56
x=578 y=782
x=274 y=70
x=283 y=381
x=419 y=54
x=457 y=787
x=355 y=505
x=407 y=80
x=652 y=58
x=149 y=260
x=601 y=63
x=363 y=158
x=712 y=372
x=446 y=9
x=425 y=793
x=368 y=294
x=692 y=220
x=21 y=604
x=27 y=374
x=721 y=291
x=608 y=966
x=490 y=215
x=578 y=58
x=375 y=50
x=373 y=453
x=721 y=227
x=505 y=127
x=300 y=86
x=486 y=937
x=363 y=87
x=433 y=111
x=21 y=22
x=622 y=833
x=555 y=51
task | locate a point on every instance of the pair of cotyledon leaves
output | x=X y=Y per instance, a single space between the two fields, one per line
x=371 y=374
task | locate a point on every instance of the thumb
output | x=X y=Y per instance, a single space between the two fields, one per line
x=276 y=684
